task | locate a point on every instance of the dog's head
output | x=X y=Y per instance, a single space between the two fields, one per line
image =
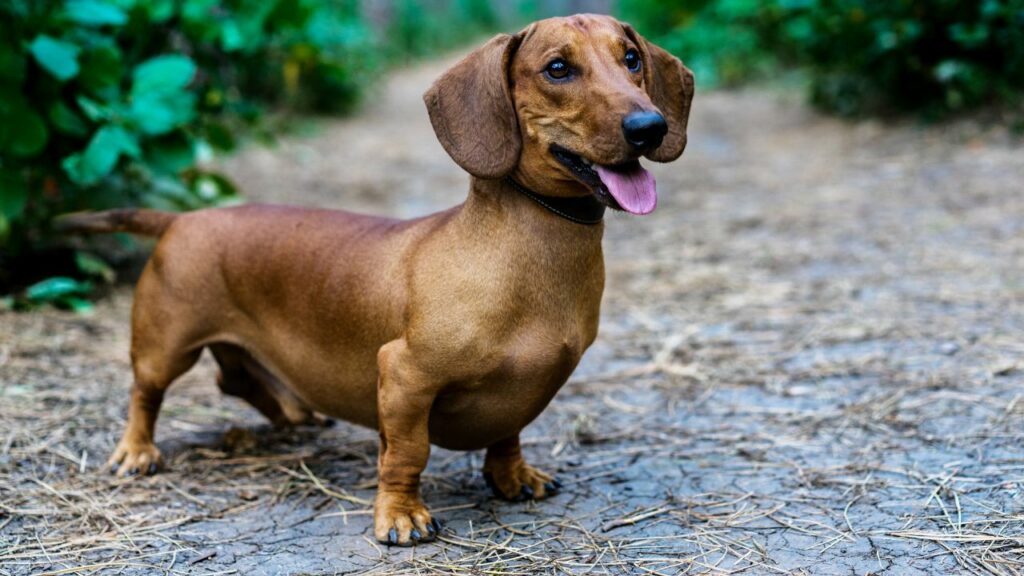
x=566 y=107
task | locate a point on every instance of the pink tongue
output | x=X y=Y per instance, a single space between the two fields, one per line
x=633 y=188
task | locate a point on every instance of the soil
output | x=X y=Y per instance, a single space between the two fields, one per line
x=811 y=361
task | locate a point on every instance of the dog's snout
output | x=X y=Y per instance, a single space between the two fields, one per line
x=644 y=130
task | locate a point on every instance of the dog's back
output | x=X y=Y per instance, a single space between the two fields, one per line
x=303 y=291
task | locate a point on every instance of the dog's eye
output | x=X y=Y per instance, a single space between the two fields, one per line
x=557 y=69
x=632 y=60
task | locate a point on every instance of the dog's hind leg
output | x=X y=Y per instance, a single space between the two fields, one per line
x=154 y=372
x=164 y=346
x=243 y=377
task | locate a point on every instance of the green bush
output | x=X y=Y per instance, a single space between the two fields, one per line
x=423 y=27
x=932 y=57
x=109 y=103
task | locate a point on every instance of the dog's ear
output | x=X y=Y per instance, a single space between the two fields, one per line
x=670 y=85
x=471 y=109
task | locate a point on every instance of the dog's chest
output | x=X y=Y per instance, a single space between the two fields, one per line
x=506 y=332
x=524 y=378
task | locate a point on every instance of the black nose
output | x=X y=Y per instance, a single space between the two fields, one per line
x=644 y=129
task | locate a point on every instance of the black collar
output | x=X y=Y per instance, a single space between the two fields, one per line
x=579 y=209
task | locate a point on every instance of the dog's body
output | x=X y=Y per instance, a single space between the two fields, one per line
x=455 y=329
x=504 y=349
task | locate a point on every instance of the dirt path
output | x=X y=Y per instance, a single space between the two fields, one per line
x=811 y=362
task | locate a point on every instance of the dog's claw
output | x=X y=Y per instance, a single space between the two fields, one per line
x=400 y=519
x=436 y=525
x=519 y=481
x=132 y=460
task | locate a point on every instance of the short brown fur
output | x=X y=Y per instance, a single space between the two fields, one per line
x=455 y=329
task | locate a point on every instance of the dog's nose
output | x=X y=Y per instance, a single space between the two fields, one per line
x=644 y=130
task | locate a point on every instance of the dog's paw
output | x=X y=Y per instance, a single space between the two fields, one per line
x=134 y=459
x=520 y=482
x=402 y=520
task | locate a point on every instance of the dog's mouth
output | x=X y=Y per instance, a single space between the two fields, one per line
x=627 y=186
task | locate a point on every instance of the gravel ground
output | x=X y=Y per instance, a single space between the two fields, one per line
x=811 y=361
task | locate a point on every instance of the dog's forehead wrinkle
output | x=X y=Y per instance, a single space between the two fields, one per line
x=579 y=21
x=566 y=50
x=544 y=42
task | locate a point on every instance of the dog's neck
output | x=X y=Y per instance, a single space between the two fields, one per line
x=503 y=199
x=585 y=210
x=541 y=249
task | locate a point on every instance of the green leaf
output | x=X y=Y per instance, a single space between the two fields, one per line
x=94 y=13
x=91 y=265
x=26 y=133
x=53 y=289
x=160 y=11
x=152 y=115
x=163 y=74
x=67 y=121
x=93 y=110
x=118 y=138
x=202 y=12
x=55 y=56
x=159 y=113
x=231 y=37
x=101 y=155
x=77 y=305
x=13 y=195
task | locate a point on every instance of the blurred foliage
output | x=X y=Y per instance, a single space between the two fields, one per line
x=108 y=103
x=932 y=57
x=60 y=291
x=419 y=28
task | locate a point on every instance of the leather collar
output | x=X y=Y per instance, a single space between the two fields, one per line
x=585 y=210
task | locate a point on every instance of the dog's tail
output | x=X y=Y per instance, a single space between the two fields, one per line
x=135 y=221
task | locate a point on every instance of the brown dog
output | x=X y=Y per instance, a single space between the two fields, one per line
x=455 y=329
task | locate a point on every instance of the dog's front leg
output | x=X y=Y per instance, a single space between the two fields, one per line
x=511 y=478
x=404 y=398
